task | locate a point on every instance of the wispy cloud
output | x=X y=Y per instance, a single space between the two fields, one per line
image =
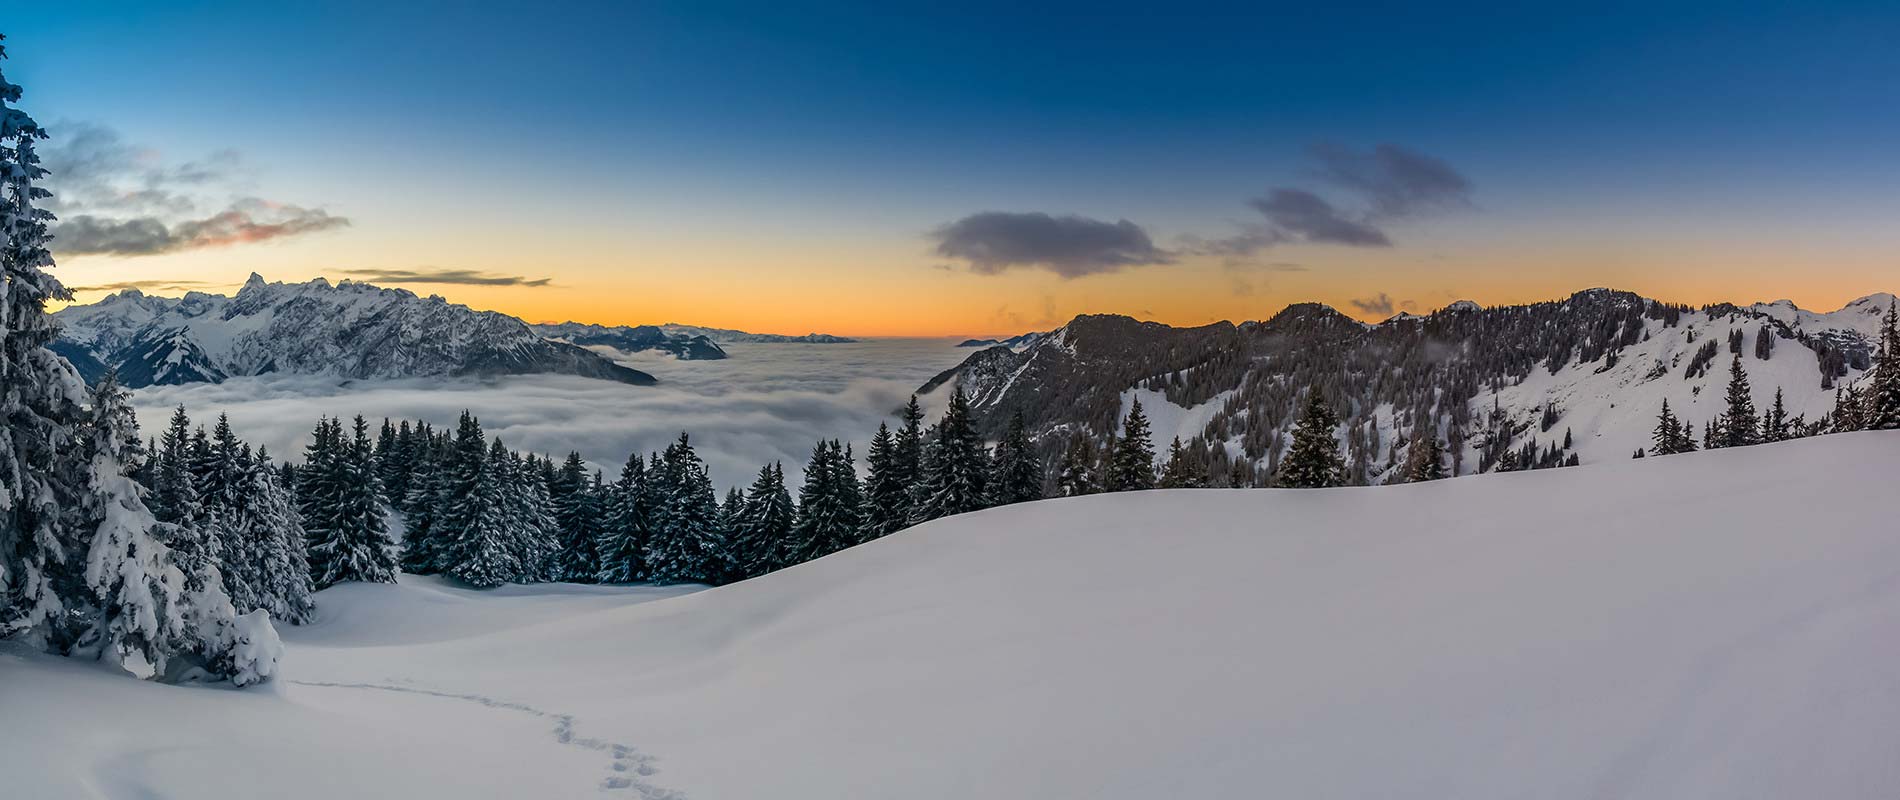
x=114 y=198
x=150 y=286
x=465 y=277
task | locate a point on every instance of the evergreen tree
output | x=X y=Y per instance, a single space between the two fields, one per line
x=1016 y=474
x=352 y=542
x=626 y=526
x=1076 y=476
x=536 y=528
x=577 y=510
x=1428 y=464
x=137 y=605
x=956 y=469
x=1880 y=407
x=268 y=523
x=1740 y=426
x=480 y=548
x=1131 y=464
x=430 y=465
x=907 y=462
x=886 y=493
x=1180 y=472
x=1848 y=411
x=1775 y=425
x=687 y=545
x=1670 y=437
x=1313 y=460
x=828 y=507
x=762 y=541
x=174 y=493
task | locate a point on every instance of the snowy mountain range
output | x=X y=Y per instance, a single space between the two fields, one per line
x=351 y=330
x=730 y=336
x=1585 y=377
x=633 y=339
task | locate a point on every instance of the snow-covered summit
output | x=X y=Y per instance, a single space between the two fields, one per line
x=349 y=329
x=1583 y=377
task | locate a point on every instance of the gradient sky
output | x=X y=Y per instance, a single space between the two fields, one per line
x=793 y=169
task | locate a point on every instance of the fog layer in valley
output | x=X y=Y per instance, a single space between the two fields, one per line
x=767 y=402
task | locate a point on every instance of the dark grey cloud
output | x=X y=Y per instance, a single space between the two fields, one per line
x=115 y=198
x=1307 y=217
x=246 y=221
x=1380 y=306
x=1071 y=246
x=465 y=277
x=1386 y=184
x=1394 y=182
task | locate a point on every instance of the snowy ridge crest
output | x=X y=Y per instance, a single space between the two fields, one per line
x=349 y=329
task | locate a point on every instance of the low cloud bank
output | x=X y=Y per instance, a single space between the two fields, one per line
x=769 y=402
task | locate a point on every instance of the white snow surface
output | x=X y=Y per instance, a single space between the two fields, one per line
x=1714 y=625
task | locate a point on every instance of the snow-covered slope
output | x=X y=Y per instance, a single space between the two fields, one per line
x=1716 y=625
x=351 y=330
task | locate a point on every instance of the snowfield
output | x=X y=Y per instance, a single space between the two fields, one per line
x=1716 y=625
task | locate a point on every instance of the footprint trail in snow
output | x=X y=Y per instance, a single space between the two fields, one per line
x=630 y=767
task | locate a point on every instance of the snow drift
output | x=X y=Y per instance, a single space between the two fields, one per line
x=1721 y=624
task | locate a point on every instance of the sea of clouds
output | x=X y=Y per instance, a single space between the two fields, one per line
x=768 y=402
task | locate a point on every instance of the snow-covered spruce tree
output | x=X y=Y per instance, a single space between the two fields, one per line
x=1880 y=405
x=886 y=494
x=577 y=513
x=956 y=468
x=1076 y=475
x=343 y=516
x=536 y=531
x=731 y=516
x=1847 y=414
x=392 y=461
x=83 y=564
x=828 y=506
x=1016 y=475
x=286 y=587
x=144 y=613
x=429 y=468
x=478 y=547
x=907 y=460
x=1131 y=464
x=624 y=526
x=1427 y=461
x=174 y=495
x=1180 y=471
x=763 y=538
x=1740 y=426
x=687 y=545
x=1313 y=461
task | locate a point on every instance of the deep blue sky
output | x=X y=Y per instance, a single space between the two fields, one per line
x=861 y=128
